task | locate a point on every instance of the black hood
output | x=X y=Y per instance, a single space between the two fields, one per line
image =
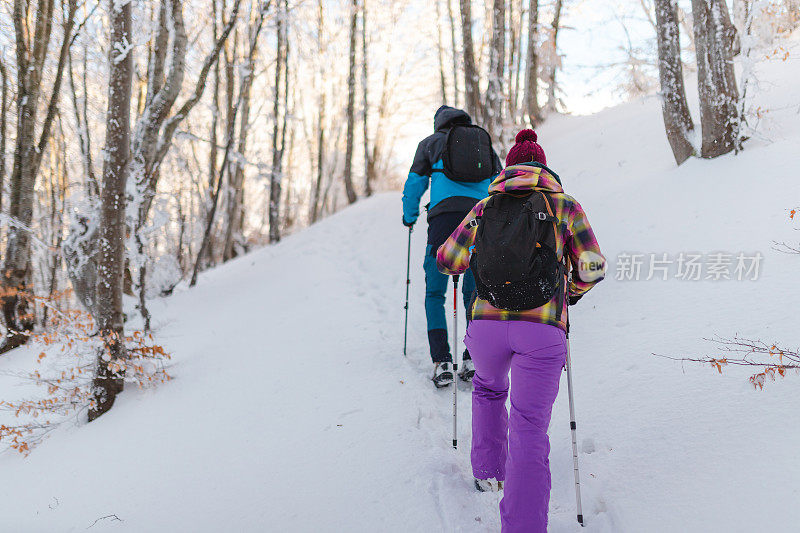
x=446 y=117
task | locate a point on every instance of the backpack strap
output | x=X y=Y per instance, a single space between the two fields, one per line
x=564 y=270
x=541 y=215
x=538 y=215
x=550 y=217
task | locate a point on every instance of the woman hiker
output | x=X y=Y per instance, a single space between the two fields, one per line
x=526 y=203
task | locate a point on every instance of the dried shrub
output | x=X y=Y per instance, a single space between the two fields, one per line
x=66 y=364
x=768 y=358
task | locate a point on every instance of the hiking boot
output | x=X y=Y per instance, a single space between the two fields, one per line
x=467 y=370
x=442 y=375
x=488 y=485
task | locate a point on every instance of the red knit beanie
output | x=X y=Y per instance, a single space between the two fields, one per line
x=526 y=150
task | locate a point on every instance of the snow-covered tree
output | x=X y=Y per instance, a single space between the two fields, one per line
x=677 y=118
x=108 y=381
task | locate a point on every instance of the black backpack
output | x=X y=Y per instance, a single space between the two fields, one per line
x=468 y=155
x=514 y=260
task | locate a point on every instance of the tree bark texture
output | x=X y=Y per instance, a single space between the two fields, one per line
x=278 y=136
x=230 y=135
x=440 y=53
x=31 y=56
x=532 y=109
x=454 y=53
x=715 y=40
x=3 y=117
x=315 y=196
x=493 y=113
x=234 y=233
x=471 y=85
x=108 y=381
x=552 y=98
x=351 y=114
x=677 y=119
x=365 y=86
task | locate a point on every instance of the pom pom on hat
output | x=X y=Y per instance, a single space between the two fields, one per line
x=526 y=135
x=526 y=150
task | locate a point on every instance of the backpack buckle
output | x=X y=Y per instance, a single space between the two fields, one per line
x=541 y=216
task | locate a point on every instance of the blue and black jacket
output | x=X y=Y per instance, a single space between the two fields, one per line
x=454 y=198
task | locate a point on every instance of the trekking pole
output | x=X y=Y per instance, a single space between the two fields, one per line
x=573 y=428
x=408 y=284
x=455 y=362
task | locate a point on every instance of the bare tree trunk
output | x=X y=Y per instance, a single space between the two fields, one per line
x=552 y=98
x=440 y=51
x=58 y=192
x=214 y=203
x=179 y=255
x=326 y=202
x=3 y=115
x=715 y=41
x=163 y=89
x=513 y=22
x=155 y=128
x=315 y=197
x=162 y=96
x=231 y=66
x=519 y=87
x=215 y=110
x=472 y=95
x=82 y=126
x=365 y=84
x=109 y=379
x=287 y=140
x=31 y=52
x=286 y=111
x=351 y=115
x=383 y=110
x=532 y=109
x=228 y=146
x=234 y=231
x=677 y=119
x=453 y=53
x=79 y=250
x=231 y=52
x=277 y=148
x=493 y=113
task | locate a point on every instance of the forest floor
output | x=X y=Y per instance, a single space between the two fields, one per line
x=293 y=409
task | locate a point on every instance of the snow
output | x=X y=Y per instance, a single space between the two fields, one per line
x=293 y=409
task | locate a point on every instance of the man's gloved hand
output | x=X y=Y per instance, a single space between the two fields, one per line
x=408 y=224
x=574 y=299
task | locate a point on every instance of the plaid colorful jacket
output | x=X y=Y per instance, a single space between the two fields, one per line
x=576 y=238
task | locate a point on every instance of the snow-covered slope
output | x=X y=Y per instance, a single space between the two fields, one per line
x=293 y=409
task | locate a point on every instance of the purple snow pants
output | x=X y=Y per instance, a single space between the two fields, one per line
x=515 y=448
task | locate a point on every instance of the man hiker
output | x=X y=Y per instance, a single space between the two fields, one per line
x=458 y=163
